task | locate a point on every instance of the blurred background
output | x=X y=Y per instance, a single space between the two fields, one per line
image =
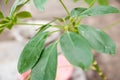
x=12 y=42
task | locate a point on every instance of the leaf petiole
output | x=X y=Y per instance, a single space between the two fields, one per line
x=64 y=7
x=111 y=25
x=54 y=31
x=21 y=23
x=92 y=3
x=96 y=68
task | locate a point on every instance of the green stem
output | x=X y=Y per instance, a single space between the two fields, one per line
x=57 y=26
x=111 y=25
x=54 y=31
x=96 y=68
x=21 y=23
x=64 y=21
x=92 y=3
x=64 y=7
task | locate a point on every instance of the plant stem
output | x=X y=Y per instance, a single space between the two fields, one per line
x=55 y=31
x=21 y=23
x=92 y=3
x=96 y=68
x=64 y=7
x=111 y=25
x=64 y=21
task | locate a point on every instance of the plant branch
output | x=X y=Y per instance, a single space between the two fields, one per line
x=64 y=7
x=96 y=68
x=55 y=31
x=21 y=23
x=111 y=25
x=92 y=3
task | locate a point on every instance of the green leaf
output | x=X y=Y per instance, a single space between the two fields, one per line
x=17 y=6
x=1 y=15
x=77 y=50
x=100 y=10
x=6 y=1
x=40 y=4
x=4 y=23
x=7 y=22
x=75 y=0
x=103 y=2
x=96 y=10
x=32 y=52
x=77 y=11
x=45 y=69
x=44 y=27
x=89 y=1
x=10 y=24
x=97 y=39
x=23 y=14
x=1 y=30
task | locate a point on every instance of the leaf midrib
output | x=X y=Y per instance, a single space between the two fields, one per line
x=49 y=57
x=35 y=47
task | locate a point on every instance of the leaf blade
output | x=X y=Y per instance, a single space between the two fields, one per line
x=76 y=49
x=45 y=69
x=89 y=1
x=6 y=1
x=16 y=6
x=75 y=0
x=1 y=15
x=103 y=2
x=77 y=11
x=31 y=52
x=44 y=27
x=24 y=14
x=40 y=4
x=98 y=10
x=97 y=39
